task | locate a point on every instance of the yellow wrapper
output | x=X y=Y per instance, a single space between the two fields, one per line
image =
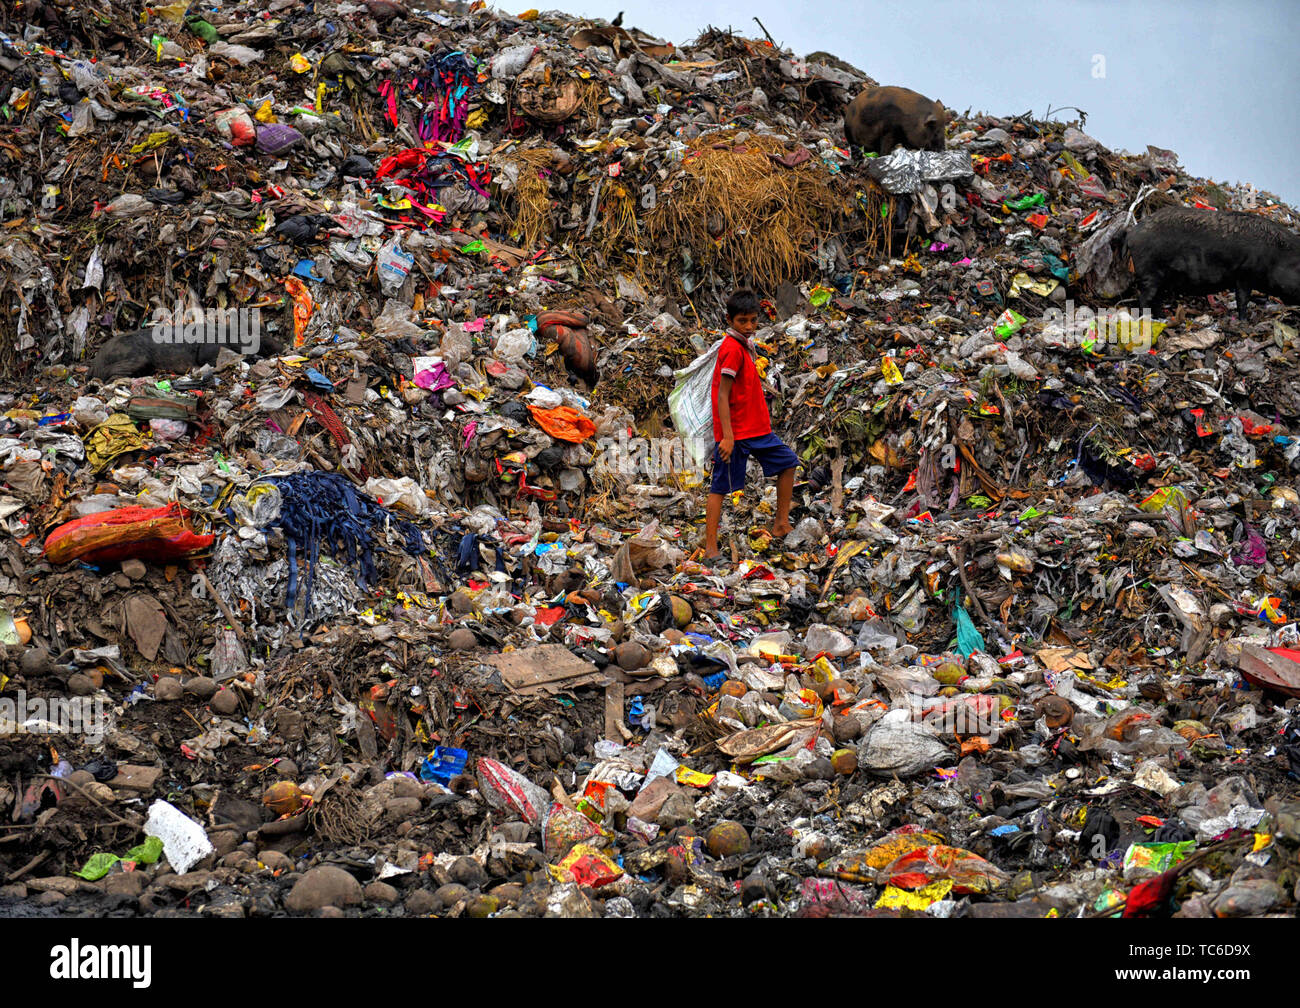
x=685 y=775
x=894 y=898
x=1170 y=496
x=823 y=671
x=1024 y=282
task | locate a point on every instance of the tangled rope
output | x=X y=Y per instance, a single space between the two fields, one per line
x=325 y=508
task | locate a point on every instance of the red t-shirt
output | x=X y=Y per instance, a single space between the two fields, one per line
x=749 y=416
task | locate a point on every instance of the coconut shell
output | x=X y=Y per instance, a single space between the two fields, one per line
x=631 y=656
x=283 y=798
x=683 y=611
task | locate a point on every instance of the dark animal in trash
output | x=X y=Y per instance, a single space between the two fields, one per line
x=883 y=118
x=137 y=353
x=1186 y=250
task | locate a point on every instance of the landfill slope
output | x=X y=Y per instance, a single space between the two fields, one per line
x=353 y=562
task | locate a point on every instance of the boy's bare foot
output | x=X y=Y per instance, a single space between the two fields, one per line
x=782 y=530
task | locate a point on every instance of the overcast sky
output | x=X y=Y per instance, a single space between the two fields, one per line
x=1217 y=83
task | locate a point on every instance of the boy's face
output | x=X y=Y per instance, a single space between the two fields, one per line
x=746 y=323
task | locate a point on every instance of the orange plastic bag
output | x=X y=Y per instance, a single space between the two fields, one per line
x=303 y=306
x=969 y=872
x=564 y=423
x=145 y=533
x=862 y=865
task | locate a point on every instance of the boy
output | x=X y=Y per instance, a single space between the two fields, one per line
x=741 y=425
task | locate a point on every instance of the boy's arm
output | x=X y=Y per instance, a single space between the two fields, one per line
x=723 y=406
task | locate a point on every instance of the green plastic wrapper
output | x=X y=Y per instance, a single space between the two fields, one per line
x=1158 y=857
x=147 y=852
x=1108 y=900
x=1009 y=322
x=203 y=30
x=1025 y=202
x=820 y=295
x=968 y=638
x=99 y=865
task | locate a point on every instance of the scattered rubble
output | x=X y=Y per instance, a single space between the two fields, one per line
x=387 y=598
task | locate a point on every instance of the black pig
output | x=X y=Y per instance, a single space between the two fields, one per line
x=137 y=353
x=1191 y=251
x=887 y=117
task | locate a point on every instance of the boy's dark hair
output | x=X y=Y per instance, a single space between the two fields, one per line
x=742 y=302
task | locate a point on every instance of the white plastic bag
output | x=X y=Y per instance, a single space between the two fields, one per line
x=512 y=792
x=691 y=405
x=184 y=841
x=404 y=494
x=394 y=265
x=544 y=398
x=456 y=346
x=510 y=62
x=89 y=411
x=228 y=658
x=397 y=320
x=168 y=430
x=897 y=745
x=513 y=345
x=821 y=638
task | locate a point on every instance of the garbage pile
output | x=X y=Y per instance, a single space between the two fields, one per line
x=388 y=598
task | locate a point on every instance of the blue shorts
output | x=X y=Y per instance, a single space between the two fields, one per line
x=773 y=454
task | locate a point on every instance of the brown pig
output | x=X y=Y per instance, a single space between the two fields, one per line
x=883 y=118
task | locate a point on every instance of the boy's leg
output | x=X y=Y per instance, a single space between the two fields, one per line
x=784 y=493
x=712 y=519
x=778 y=459
x=728 y=477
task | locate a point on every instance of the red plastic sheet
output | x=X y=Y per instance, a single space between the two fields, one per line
x=124 y=533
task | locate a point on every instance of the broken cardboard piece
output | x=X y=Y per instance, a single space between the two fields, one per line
x=1064 y=659
x=146 y=622
x=754 y=743
x=614 y=699
x=142 y=779
x=546 y=668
